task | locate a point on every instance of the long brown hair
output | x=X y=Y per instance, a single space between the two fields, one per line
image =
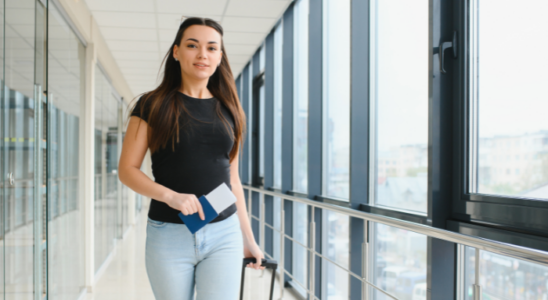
x=164 y=109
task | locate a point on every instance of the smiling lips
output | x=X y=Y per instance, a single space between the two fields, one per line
x=201 y=66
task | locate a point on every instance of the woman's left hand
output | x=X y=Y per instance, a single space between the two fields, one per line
x=251 y=249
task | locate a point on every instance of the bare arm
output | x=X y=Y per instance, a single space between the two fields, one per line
x=134 y=149
x=251 y=249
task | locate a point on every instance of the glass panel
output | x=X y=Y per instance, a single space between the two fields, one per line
x=250 y=120
x=300 y=90
x=399 y=110
x=106 y=163
x=336 y=101
x=512 y=147
x=22 y=151
x=336 y=248
x=278 y=42
x=399 y=262
x=261 y=131
x=3 y=170
x=300 y=253
x=66 y=95
x=502 y=277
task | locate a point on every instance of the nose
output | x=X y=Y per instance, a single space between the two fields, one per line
x=202 y=53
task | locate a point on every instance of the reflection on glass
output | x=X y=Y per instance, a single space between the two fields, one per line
x=336 y=248
x=18 y=141
x=66 y=95
x=512 y=153
x=399 y=262
x=278 y=42
x=300 y=253
x=399 y=111
x=502 y=277
x=300 y=98
x=106 y=164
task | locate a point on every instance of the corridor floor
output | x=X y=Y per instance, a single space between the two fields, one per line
x=125 y=277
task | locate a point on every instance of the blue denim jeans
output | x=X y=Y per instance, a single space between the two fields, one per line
x=210 y=260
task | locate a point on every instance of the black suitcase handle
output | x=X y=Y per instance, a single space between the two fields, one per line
x=269 y=264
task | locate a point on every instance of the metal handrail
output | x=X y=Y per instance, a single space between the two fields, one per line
x=519 y=252
x=523 y=253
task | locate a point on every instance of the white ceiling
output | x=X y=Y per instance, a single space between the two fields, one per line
x=140 y=32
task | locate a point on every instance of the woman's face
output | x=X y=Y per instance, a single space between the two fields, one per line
x=199 y=52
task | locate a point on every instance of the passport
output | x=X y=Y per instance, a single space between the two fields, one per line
x=213 y=204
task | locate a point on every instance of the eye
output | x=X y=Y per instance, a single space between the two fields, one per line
x=191 y=46
x=212 y=48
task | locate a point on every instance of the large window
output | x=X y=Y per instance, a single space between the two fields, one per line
x=278 y=43
x=300 y=98
x=336 y=98
x=399 y=104
x=509 y=128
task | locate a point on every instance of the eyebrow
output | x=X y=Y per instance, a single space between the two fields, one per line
x=195 y=40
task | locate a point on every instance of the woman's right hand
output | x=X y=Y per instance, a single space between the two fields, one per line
x=187 y=204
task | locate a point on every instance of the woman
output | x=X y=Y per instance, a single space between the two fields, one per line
x=193 y=125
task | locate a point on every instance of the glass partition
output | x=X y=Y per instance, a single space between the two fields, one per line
x=66 y=67
x=107 y=205
x=24 y=142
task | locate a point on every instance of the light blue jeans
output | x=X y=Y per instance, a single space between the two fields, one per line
x=210 y=260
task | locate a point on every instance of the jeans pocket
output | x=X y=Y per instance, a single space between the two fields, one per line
x=155 y=223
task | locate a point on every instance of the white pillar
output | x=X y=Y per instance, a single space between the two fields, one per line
x=89 y=166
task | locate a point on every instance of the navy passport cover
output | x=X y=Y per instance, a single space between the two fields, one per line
x=194 y=222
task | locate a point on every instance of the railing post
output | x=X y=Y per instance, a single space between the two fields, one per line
x=365 y=260
x=312 y=275
x=281 y=265
x=477 y=287
x=262 y=216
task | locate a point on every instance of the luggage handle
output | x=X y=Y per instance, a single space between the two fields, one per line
x=268 y=263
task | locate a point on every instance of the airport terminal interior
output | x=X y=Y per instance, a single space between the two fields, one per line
x=394 y=149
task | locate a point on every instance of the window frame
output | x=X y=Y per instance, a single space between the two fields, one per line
x=506 y=213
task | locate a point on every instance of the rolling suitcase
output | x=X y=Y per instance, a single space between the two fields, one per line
x=269 y=264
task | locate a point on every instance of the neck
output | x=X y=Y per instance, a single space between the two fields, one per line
x=196 y=88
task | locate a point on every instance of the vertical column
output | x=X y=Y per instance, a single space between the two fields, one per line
x=359 y=135
x=442 y=255
x=88 y=170
x=315 y=79
x=245 y=157
x=269 y=111
x=287 y=136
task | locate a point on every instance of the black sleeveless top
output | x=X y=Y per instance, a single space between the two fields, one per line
x=200 y=161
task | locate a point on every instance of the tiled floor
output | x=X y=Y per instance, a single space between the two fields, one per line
x=125 y=277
